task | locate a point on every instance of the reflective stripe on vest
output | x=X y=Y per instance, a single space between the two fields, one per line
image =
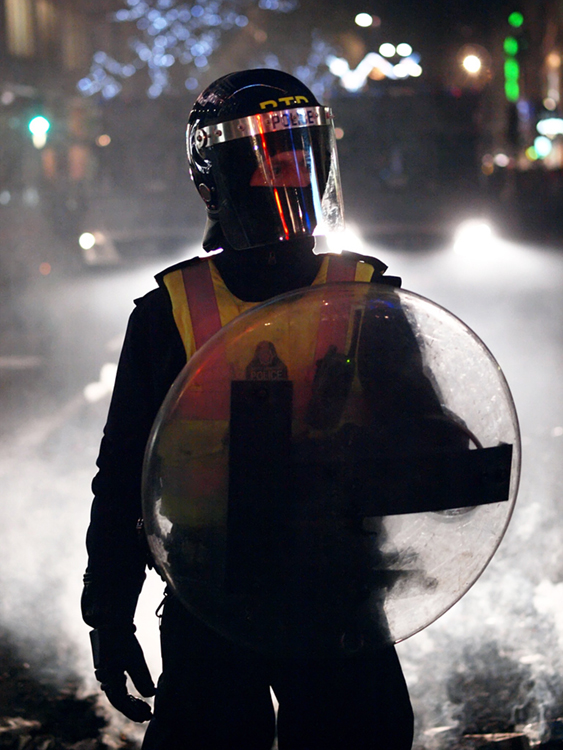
x=195 y=305
x=198 y=315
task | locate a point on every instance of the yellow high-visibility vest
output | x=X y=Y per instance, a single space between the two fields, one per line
x=194 y=488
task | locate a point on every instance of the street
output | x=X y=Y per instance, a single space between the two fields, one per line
x=494 y=661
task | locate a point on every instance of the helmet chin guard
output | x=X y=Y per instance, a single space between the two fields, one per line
x=262 y=154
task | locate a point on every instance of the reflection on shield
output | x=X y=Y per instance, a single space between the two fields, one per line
x=331 y=471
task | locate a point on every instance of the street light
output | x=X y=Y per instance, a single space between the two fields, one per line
x=473 y=67
x=404 y=49
x=543 y=146
x=87 y=240
x=387 y=49
x=365 y=20
x=472 y=64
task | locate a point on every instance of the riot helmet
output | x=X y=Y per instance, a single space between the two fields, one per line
x=262 y=154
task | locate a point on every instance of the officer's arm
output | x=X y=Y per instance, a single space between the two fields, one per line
x=116 y=551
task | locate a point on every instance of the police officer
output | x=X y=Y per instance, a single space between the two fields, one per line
x=262 y=155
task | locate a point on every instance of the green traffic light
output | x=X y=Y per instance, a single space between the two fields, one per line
x=510 y=45
x=511 y=70
x=39 y=125
x=512 y=90
x=516 y=19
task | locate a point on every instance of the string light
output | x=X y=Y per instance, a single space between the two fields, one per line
x=187 y=33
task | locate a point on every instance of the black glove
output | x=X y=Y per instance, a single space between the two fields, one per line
x=116 y=651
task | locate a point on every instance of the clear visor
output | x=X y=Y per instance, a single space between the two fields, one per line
x=277 y=176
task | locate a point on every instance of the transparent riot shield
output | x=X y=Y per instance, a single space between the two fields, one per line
x=332 y=471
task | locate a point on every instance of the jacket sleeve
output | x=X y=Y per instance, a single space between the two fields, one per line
x=151 y=358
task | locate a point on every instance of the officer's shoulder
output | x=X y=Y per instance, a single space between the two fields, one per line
x=378 y=266
x=149 y=300
x=190 y=263
x=158 y=297
x=379 y=275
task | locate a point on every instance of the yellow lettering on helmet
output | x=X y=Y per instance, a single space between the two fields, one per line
x=287 y=100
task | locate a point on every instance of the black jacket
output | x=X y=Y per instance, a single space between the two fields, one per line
x=152 y=357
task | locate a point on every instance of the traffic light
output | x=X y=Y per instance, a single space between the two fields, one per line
x=512 y=47
x=516 y=19
x=39 y=126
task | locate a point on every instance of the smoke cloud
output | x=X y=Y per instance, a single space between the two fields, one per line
x=493 y=663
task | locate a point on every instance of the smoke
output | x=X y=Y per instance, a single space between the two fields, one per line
x=52 y=425
x=492 y=663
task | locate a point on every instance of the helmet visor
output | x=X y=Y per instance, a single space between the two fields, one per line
x=277 y=176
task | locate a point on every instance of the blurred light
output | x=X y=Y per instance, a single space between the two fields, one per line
x=501 y=160
x=400 y=70
x=525 y=110
x=512 y=91
x=5 y=197
x=338 y=133
x=472 y=64
x=167 y=31
x=387 y=49
x=410 y=67
x=549 y=103
x=516 y=19
x=7 y=97
x=39 y=125
x=103 y=140
x=510 y=45
x=154 y=91
x=104 y=386
x=550 y=127
x=511 y=69
x=373 y=66
x=364 y=20
x=511 y=65
x=377 y=74
x=554 y=60
x=473 y=237
x=487 y=164
x=111 y=89
x=39 y=139
x=350 y=239
x=86 y=240
x=30 y=196
x=543 y=146
x=338 y=66
x=532 y=154
x=45 y=269
x=404 y=49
